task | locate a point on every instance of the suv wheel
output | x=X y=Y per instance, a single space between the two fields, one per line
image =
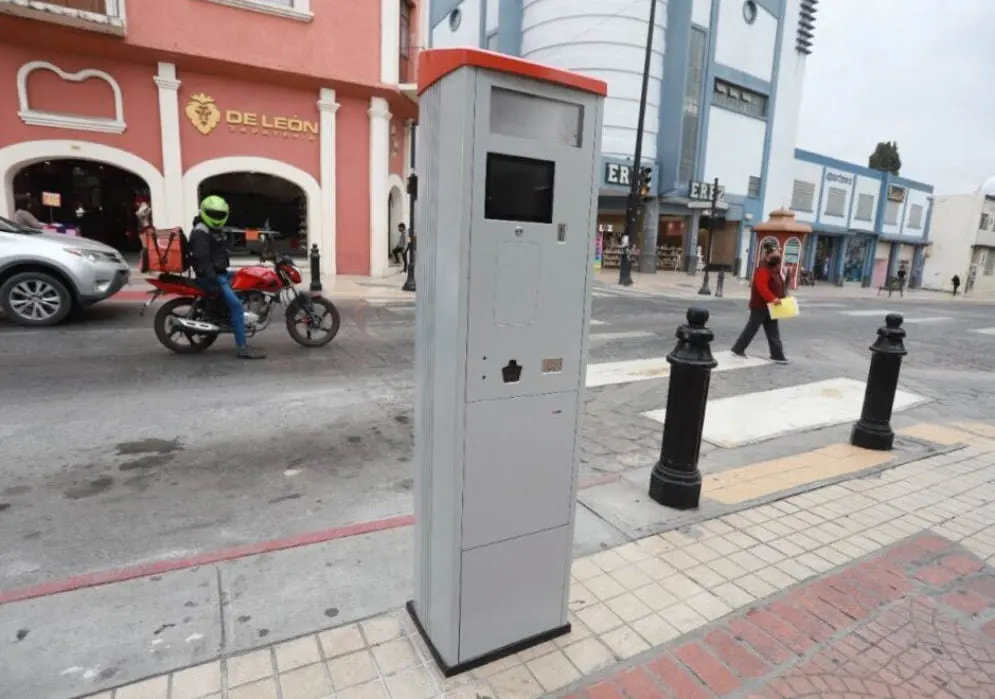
x=35 y=299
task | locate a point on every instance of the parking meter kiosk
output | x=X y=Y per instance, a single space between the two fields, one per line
x=507 y=157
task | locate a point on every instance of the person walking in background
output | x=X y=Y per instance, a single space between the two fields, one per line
x=955 y=282
x=767 y=287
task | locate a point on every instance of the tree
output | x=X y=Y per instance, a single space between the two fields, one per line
x=886 y=158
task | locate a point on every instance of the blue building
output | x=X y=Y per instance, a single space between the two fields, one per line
x=724 y=93
x=866 y=224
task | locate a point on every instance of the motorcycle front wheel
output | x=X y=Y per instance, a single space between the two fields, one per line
x=315 y=328
x=172 y=337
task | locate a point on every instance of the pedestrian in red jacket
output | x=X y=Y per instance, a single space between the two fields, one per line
x=767 y=287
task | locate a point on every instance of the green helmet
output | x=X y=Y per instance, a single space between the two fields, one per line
x=214 y=211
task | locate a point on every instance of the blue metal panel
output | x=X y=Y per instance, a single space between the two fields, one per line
x=882 y=201
x=893 y=254
x=706 y=90
x=738 y=77
x=853 y=199
x=929 y=222
x=818 y=205
x=482 y=36
x=901 y=216
x=438 y=10
x=510 y=27
x=772 y=97
x=869 y=261
x=675 y=70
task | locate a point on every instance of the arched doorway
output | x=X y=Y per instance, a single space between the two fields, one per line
x=264 y=203
x=96 y=199
x=260 y=167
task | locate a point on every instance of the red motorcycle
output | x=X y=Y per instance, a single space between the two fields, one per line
x=191 y=323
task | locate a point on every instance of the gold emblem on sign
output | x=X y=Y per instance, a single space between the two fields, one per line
x=203 y=113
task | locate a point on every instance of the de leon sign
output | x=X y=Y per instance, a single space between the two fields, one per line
x=205 y=116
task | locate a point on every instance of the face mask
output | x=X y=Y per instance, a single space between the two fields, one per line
x=773 y=261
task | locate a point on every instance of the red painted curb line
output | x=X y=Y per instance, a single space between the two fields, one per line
x=108 y=577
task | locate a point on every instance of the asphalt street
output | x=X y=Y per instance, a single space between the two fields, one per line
x=117 y=453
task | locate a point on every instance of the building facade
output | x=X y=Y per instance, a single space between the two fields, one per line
x=298 y=111
x=723 y=100
x=867 y=224
x=963 y=242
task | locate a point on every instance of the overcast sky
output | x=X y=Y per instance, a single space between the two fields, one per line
x=919 y=72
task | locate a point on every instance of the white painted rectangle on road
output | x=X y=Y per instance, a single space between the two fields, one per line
x=984 y=331
x=868 y=314
x=631 y=335
x=597 y=322
x=928 y=319
x=758 y=417
x=612 y=373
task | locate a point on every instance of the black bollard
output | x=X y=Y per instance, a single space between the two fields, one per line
x=676 y=480
x=625 y=268
x=873 y=430
x=409 y=281
x=315 y=268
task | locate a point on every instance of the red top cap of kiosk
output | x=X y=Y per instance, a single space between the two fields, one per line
x=435 y=64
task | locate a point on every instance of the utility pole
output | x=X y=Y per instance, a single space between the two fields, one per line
x=712 y=220
x=632 y=203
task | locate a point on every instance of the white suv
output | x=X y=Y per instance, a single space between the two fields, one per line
x=43 y=276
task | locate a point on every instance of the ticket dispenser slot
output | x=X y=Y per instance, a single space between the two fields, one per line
x=508 y=154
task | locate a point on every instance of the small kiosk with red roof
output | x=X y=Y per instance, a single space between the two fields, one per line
x=507 y=157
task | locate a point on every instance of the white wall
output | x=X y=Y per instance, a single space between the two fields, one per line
x=735 y=149
x=784 y=127
x=806 y=172
x=952 y=232
x=468 y=33
x=915 y=196
x=701 y=13
x=605 y=39
x=747 y=47
x=871 y=187
x=836 y=179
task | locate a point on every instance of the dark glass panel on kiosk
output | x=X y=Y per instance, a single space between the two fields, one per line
x=519 y=189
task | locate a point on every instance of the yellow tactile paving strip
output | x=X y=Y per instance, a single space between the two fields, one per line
x=938 y=434
x=768 y=477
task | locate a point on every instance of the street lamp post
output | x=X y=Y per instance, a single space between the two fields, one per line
x=713 y=215
x=633 y=200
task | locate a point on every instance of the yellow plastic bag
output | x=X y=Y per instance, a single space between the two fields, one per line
x=788 y=308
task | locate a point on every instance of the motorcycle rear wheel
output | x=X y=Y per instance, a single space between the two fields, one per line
x=170 y=338
x=327 y=309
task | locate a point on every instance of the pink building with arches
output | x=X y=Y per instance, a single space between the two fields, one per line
x=299 y=111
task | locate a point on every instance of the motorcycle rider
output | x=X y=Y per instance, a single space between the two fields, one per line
x=210 y=261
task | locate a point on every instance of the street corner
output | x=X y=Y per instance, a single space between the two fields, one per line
x=740 y=479
x=916 y=619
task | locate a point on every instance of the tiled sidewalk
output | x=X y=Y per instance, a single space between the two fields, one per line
x=632 y=607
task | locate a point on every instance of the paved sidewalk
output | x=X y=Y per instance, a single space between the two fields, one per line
x=681 y=285
x=874 y=587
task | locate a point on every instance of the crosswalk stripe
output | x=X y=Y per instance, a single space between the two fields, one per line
x=928 y=319
x=630 y=335
x=630 y=371
x=984 y=331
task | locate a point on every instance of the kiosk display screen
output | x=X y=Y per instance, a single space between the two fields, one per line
x=519 y=189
